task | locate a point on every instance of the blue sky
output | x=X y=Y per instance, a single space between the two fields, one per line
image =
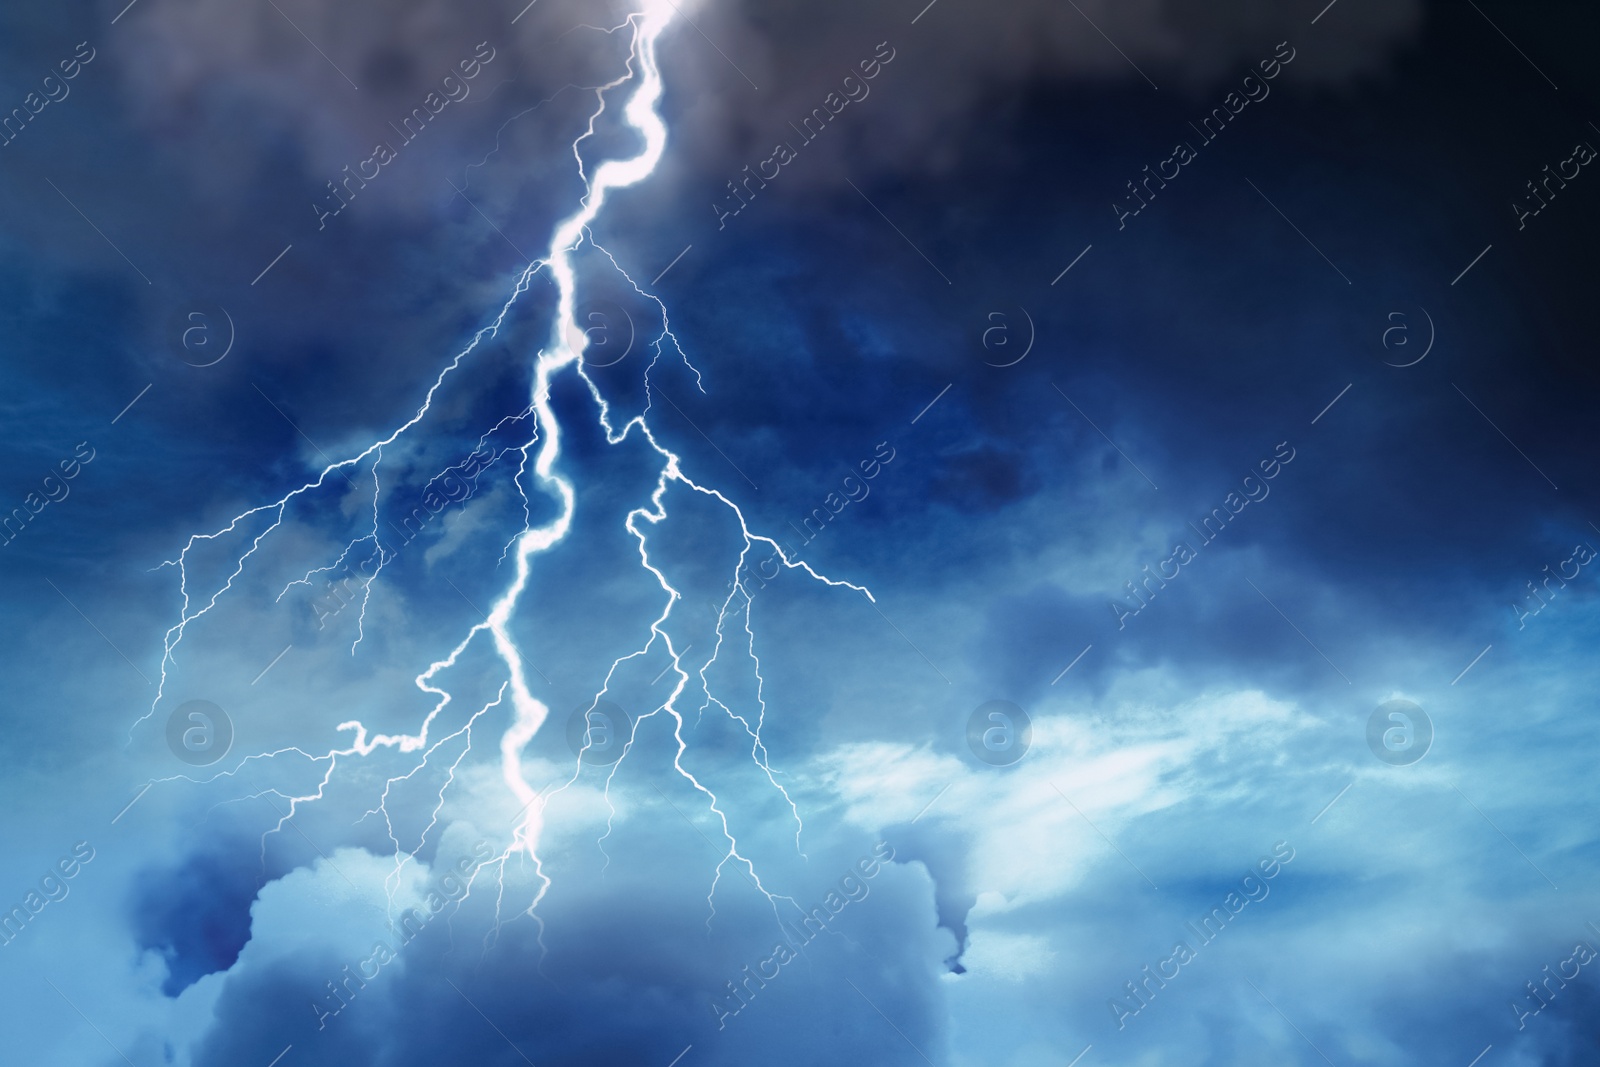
x=1333 y=334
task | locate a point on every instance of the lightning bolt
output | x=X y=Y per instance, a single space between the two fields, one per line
x=537 y=469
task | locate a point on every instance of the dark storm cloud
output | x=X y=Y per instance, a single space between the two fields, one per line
x=626 y=973
x=197 y=914
x=1240 y=336
x=333 y=81
x=195 y=68
x=956 y=70
x=1196 y=340
x=227 y=128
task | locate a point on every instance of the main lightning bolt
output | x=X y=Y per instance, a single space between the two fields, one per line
x=538 y=465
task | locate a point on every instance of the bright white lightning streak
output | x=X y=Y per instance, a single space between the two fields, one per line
x=568 y=342
x=174 y=635
x=384 y=554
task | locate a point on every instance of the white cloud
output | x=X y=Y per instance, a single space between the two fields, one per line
x=1007 y=957
x=1026 y=842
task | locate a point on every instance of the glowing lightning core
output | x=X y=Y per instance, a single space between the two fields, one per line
x=565 y=349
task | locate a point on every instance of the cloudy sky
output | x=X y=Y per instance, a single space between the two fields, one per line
x=708 y=533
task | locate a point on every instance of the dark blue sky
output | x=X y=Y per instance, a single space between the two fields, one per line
x=937 y=357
